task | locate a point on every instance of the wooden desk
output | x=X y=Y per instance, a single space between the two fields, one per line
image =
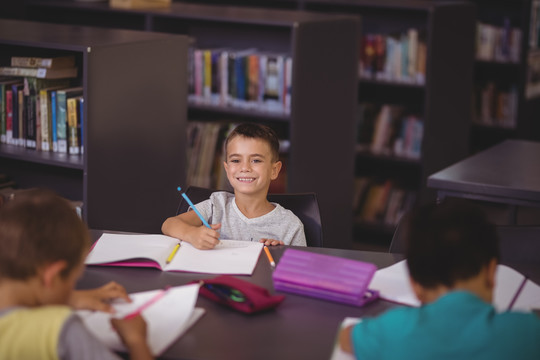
x=507 y=173
x=300 y=328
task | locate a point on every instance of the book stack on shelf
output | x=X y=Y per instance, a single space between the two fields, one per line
x=389 y=130
x=379 y=202
x=498 y=43
x=41 y=111
x=398 y=58
x=246 y=79
x=205 y=156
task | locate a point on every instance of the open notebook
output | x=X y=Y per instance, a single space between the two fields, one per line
x=512 y=289
x=231 y=257
x=167 y=319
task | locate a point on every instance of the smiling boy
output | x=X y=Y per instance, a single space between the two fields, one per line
x=251 y=163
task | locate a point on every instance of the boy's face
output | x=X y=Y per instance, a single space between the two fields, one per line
x=249 y=165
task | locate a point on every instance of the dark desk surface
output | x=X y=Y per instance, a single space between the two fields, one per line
x=300 y=328
x=508 y=173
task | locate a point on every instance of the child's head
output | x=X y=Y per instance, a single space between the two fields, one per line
x=38 y=229
x=251 y=158
x=448 y=243
x=257 y=132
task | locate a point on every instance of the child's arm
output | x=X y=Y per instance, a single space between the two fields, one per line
x=98 y=299
x=345 y=339
x=133 y=334
x=188 y=227
x=271 y=242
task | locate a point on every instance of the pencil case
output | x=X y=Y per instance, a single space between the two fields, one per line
x=239 y=294
x=326 y=277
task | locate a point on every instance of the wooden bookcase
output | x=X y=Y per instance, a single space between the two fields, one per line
x=133 y=128
x=506 y=75
x=321 y=123
x=443 y=101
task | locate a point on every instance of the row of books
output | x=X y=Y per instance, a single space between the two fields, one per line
x=396 y=58
x=495 y=106
x=498 y=43
x=380 y=201
x=205 y=156
x=534 y=25
x=41 y=114
x=388 y=130
x=246 y=79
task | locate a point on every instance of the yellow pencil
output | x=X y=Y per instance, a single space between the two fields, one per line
x=270 y=258
x=169 y=259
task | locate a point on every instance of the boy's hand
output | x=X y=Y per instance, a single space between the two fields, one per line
x=271 y=242
x=204 y=238
x=345 y=339
x=97 y=299
x=133 y=334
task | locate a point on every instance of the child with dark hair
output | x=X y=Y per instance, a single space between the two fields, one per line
x=43 y=243
x=251 y=163
x=452 y=255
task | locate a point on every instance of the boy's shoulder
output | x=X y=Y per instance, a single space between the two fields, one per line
x=221 y=196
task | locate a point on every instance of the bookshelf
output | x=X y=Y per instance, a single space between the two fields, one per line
x=321 y=122
x=506 y=93
x=134 y=117
x=440 y=98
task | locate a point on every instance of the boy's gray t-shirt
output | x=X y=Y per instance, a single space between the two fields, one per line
x=279 y=224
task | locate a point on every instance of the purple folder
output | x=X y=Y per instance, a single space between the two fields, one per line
x=325 y=277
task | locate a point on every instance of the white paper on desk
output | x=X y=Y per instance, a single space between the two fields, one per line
x=232 y=257
x=167 y=319
x=508 y=281
x=338 y=353
x=393 y=284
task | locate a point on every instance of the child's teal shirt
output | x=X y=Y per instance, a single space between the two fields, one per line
x=459 y=325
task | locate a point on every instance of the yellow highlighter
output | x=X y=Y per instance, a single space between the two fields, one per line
x=173 y=252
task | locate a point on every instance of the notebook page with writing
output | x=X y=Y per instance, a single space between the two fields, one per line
x=167 y=319
x=229 y=257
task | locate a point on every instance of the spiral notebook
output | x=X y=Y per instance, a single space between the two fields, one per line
x=325 y=276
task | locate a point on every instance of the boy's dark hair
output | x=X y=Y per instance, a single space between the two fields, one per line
x=256 y=131
x=448 y=242
x=37 y=228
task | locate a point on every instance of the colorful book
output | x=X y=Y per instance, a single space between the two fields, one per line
x=5 y=84
x=46 y=118
x=73 y=125
x=61 y=115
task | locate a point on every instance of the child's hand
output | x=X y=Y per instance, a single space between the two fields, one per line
x=204 y=238
x=271 y=242
x=97 y=299
x=133 y=334
x=345 y=339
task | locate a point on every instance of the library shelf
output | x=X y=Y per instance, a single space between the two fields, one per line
x=133 y=118
x=322 y=117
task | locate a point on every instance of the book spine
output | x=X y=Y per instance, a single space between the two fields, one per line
x=15 y=116
x=73 y=139
x=44 y=117
x=80 y=124
x=2 y=114
x=61 y=121
x=22 y=126
x=9 y=116
x=54 y=131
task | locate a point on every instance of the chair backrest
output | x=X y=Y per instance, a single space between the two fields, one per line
x=303 y=205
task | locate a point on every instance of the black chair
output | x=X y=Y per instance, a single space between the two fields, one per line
x=303 y=205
